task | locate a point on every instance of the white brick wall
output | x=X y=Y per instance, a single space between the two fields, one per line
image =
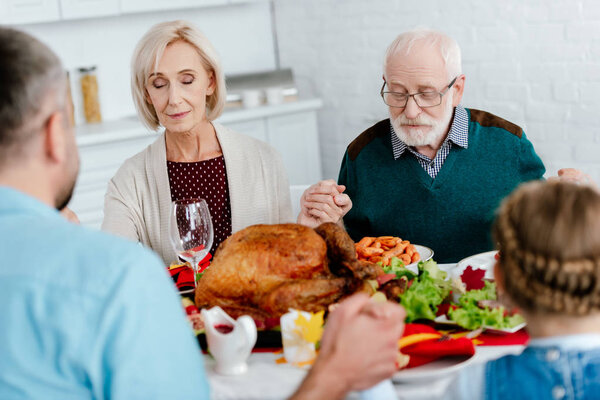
x=535 y=64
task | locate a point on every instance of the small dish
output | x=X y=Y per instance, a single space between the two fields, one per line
x=426 y=254
x=485 y=261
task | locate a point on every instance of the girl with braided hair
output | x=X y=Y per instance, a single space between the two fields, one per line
x=548 y=234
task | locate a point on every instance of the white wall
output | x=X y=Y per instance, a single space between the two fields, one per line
x=242 y=34
x=535 y=63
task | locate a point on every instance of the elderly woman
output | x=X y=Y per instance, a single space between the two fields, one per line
x=178 y=83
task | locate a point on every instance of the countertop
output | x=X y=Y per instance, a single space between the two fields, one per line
x=131 y=127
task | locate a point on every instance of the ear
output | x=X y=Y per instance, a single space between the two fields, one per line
x=458 y=89
x=55 y=139
x=212 y=83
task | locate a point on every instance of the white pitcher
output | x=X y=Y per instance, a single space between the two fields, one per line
x=229 y=341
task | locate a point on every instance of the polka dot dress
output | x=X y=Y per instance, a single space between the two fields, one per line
x=207 y=180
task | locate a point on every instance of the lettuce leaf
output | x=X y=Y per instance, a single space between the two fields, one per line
x=397 y=267
x=426 y=292
x=471 y=297
x=470 y=316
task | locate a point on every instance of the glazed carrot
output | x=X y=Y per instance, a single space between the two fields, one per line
x=366 y=241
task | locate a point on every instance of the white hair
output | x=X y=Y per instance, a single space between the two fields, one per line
x=147 y=55
x=449 y=49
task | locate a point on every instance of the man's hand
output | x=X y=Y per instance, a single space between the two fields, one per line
x=323 y=202
x=359 y=348
x=574 y=176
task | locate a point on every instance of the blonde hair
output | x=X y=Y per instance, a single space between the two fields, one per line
x=448 y=47
x=148 y=53
x=549 y=241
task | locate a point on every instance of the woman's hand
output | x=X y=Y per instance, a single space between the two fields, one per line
x=323 y=202
x=69 y=215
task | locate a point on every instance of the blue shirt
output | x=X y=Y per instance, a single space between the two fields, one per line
x=85 y=315
x=558 y=367
x=457 y=136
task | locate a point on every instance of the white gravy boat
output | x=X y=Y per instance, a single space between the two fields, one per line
x=230 y=341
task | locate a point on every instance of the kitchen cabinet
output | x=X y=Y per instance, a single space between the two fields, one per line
x=13 y=12
x=132 y=6
x=102 y=150
x=291 y=128
x=72 y=9
x=29 y=11
x=256 y=128
x=295 y=137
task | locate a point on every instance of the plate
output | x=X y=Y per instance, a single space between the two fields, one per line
x=426 y=254
x=434 y=370
x=443 y=320
x=485 y=261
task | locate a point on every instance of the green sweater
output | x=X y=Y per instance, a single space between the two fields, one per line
x=452 y=213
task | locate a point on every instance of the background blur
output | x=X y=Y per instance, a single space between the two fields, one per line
x=535 y=63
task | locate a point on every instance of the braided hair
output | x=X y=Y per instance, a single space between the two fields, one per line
x=549 y=240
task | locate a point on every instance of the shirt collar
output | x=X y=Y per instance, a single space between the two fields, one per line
x=568 y=342
x=13 y=201
x=458 y=134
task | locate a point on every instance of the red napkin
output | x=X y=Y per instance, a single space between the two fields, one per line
x=429 y=350
x=520 y=337
x=183 y=277
x=204 y=263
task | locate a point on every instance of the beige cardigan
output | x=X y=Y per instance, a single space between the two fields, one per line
x=138 y=199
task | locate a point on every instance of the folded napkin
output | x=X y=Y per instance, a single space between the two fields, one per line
x=424 y=344
x=183 y=275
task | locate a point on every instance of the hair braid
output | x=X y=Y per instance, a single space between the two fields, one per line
x=549 y=239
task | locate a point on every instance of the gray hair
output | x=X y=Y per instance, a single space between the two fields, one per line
x=32 y=80
x=449 y=49
x=148 y=53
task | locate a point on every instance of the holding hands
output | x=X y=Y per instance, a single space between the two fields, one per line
x=573 y=175
x=323 y=202
x=359 y=348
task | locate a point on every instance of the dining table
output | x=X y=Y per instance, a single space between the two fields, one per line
x=268 y=378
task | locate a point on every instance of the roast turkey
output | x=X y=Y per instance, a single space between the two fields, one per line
x=264 y=270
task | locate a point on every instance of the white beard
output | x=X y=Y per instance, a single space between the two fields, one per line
x=423 y=137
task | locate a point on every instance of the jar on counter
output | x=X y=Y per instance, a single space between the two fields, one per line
x=89 y=94
x=70 y=100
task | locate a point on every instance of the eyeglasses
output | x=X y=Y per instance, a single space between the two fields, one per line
x=423 y=99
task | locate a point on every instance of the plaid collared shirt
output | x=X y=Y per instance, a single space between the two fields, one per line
x=458 y=136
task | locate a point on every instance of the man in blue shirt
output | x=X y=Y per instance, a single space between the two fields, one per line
x=84 y=315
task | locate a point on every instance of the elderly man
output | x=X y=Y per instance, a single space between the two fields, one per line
x=87 y=315
x=434 y=172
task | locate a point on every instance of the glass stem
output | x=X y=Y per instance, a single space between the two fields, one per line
x=195 y=269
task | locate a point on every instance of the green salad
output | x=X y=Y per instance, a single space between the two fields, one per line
x=428 y=290
x=470 y=315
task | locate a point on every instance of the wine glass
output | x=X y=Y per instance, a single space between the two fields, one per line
x=191 y=231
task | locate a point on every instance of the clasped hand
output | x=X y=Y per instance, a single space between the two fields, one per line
x=323 y=202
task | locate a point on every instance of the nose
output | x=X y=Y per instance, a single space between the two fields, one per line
x=412 y=110
x=174 y=94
